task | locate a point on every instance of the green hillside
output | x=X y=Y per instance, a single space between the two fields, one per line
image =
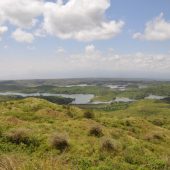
x=38 y=135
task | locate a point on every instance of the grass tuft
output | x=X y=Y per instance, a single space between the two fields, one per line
x=109 y=145
x=96 y=131
x=89 y=114
x=60 y=142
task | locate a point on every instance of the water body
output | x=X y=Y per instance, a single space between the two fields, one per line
x=117 y=87
x=77 y=85
x=155 y=97
x=123 y=99
x=78 y=98
x=100 y=102
x=117 y=100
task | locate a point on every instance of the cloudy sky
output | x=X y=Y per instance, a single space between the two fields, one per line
x=84 y=38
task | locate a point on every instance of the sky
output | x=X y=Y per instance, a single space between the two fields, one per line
x=41 y=39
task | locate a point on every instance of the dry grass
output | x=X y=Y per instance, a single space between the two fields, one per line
x=19 y=136
x=109 y=145
x=14 y=121
x=60 y=142
x=96 y=131
x=89 y=115
x=6 y=163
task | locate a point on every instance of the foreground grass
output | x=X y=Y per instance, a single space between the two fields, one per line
x=36 y=134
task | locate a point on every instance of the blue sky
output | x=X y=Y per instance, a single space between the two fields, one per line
x=108 y=39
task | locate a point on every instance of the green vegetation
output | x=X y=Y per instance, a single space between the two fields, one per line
x=96 y=87
x=53 y=99
x=36 y=134
x=7 y=98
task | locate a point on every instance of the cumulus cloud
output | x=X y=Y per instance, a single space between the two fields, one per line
x=21 y=13
x=156 y=30
x=82 y=20
x=22 y=36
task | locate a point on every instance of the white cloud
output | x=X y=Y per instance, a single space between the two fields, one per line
x=22 y=36
x=60 y=50
x=113 y=62
x=156 y=30
x=21 y=13
x=82 y=20
x=3 y=29
x=1 y=17
x=90 y=48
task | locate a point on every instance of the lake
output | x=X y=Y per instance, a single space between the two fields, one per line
x=79 y=98
x=155 y=97
x=117 y=87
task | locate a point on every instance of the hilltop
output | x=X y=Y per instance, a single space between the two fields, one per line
x=37 y=134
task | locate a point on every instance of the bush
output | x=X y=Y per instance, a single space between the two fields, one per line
x=109 y=145
x=89 y=115
x=19 y=136
x=60 y=142
x=96 y=131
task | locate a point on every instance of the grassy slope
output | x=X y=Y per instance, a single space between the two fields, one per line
x=141 y=135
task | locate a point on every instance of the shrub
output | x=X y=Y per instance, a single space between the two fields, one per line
x=109 y=145
x=89 y=115
x=96 y=131
x=60 y=142
x=19 y=136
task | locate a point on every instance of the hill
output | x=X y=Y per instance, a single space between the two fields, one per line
x=36 y=134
